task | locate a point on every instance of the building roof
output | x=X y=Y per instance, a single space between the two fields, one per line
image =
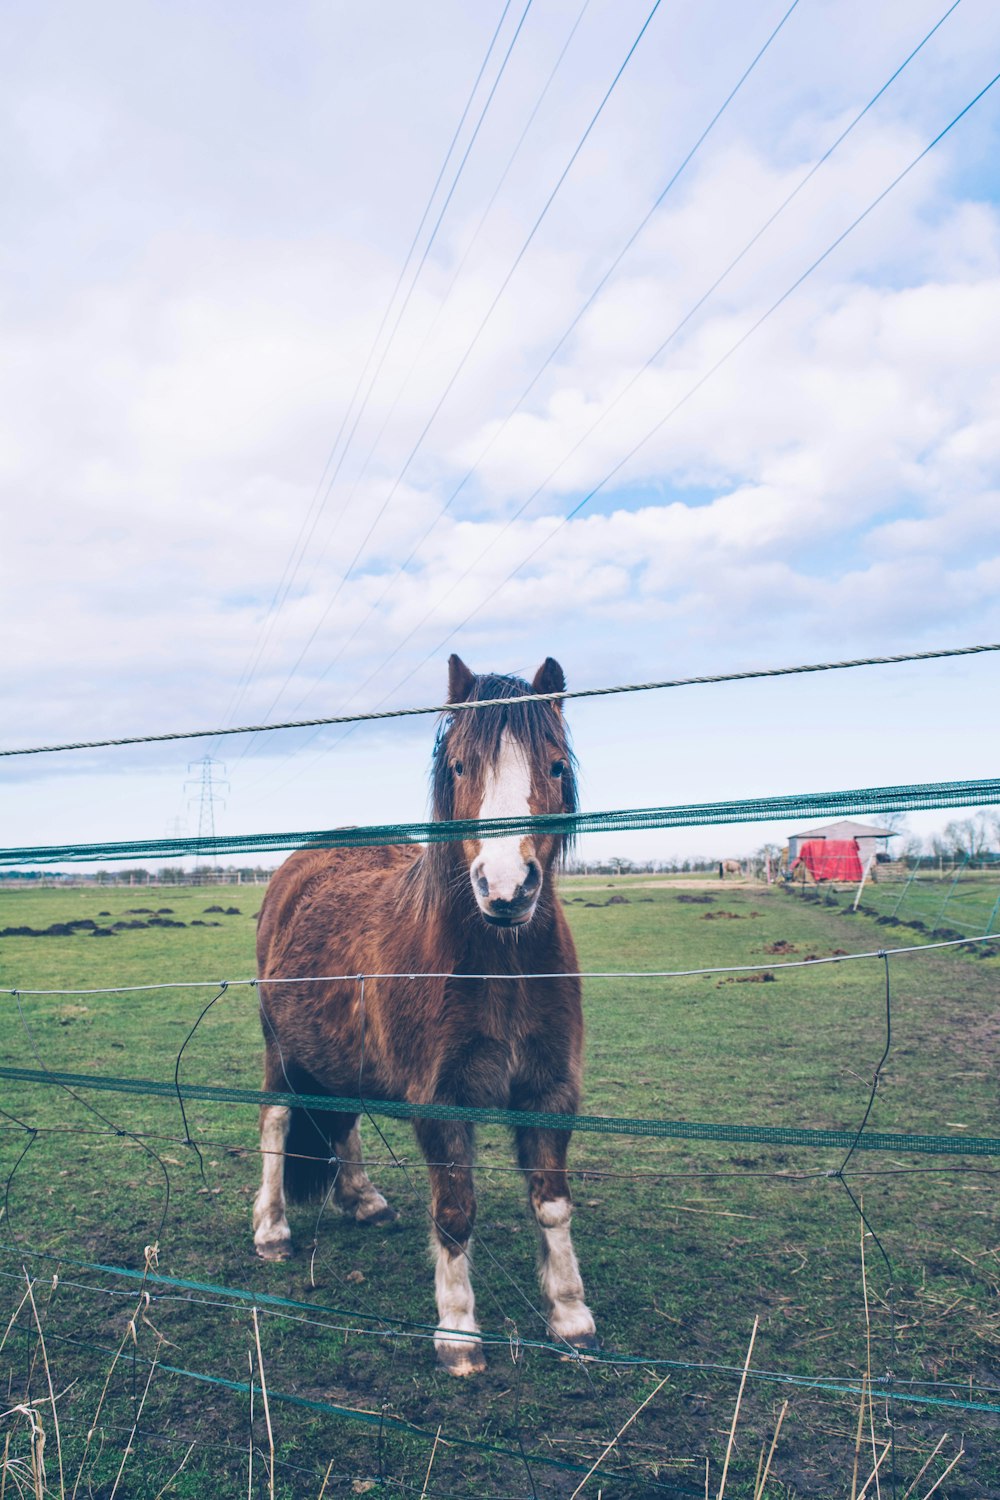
x=847 y=828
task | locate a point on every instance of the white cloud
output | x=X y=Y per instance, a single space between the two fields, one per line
x=207 y=243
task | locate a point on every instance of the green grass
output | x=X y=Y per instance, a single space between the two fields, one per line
x=960 y=902
x=682 y=1244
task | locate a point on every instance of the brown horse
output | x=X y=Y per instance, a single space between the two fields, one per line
x=427 y=917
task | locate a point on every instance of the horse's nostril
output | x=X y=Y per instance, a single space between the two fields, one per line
x=532 y=879
x=483 y=886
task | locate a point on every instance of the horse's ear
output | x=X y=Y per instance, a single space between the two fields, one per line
x=460 y=680
x=550 y=679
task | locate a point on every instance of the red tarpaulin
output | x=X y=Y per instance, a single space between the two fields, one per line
x=831 y=859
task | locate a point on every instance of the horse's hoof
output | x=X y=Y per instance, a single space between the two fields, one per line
x=462 y=1358
x=382 y=1215
x=586 y=1341
x=274 y=1250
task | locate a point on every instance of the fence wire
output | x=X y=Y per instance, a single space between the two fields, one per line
x=158 y=1288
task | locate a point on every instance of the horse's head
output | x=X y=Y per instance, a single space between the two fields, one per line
x=505 y=761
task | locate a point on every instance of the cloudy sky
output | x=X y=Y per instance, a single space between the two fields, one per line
x=282 y=423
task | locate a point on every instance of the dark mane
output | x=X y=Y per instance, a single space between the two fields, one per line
x=535 y=726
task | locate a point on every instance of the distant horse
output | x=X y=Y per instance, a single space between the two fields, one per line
x=506 y=1040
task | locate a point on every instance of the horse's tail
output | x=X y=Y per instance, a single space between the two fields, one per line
x=310 y=1152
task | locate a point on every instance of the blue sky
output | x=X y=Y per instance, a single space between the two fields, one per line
x=211 y=209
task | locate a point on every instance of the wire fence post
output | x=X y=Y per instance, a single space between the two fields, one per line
x=906 y=888
x=951 y=888
x=993 y=916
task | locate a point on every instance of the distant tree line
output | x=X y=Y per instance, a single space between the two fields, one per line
x=612 y=865
x=137 y=875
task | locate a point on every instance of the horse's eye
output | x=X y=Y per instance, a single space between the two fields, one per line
x=458 y=768
x=557 y=768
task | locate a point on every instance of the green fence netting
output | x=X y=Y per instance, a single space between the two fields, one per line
x=766 y=1135
x=858 y=801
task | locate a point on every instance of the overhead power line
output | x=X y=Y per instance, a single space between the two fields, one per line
x=594 y=294
x=376 y=715
x=706 y=295
x=656 y=355
x=470 y=347
x=345 y=505
x=321 y=495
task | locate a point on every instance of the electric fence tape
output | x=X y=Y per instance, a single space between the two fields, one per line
x=684 y=1130
x=910 y=797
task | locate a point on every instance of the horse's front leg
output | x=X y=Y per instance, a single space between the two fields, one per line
x=541 y=1154
x=447 y=1147
x=271 y=1235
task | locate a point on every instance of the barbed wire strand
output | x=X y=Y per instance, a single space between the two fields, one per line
x=886 y=1382
x=375 y=716
x=270 y=1304
x=499 y=1339
x=794 y=963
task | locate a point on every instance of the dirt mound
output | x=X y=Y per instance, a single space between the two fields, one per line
x=781 y=945
x=57 y=929
x=690 y=900
x=766 y=978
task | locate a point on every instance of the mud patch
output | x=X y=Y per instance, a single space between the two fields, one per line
x=57 y=929
x=765 y=978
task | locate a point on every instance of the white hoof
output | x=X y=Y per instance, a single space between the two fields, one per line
x=461 y=1356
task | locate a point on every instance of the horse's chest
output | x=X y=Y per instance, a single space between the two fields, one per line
x=482 y=1050
x=477 y=1068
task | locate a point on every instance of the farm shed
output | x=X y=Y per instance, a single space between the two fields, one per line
x=870 y=840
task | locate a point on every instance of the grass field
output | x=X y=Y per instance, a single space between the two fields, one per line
x=963 y=901
x=682 y=1243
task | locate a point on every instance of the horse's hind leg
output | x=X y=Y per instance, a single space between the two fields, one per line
x=353 y=1190
x=271 y=1235
x=541 y=1154
x=448 y=1149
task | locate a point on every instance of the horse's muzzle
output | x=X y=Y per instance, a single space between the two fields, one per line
x=499 y=919
x=513 y=904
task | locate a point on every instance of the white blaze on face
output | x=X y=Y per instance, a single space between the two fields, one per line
x=506 y=794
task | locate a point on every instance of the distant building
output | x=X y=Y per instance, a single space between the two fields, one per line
x=870 y=840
